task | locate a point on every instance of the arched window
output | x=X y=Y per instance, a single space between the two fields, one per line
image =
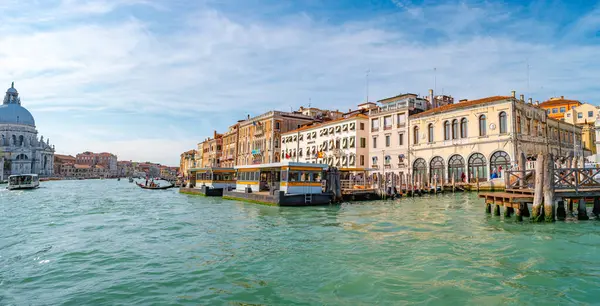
x=416 y=135
x=21 y=140
x=454 y=129
x=446 y=130
x=419 y=167
x=22 y=157
x=14 y=140
x=502 y=122
x=499 y=161
x=482 y=124
x=436 y=167
x=477 y=167
x=430 y=132
x=463 y=128
x=456 y=168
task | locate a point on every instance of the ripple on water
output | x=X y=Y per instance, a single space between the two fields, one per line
x=75 y=243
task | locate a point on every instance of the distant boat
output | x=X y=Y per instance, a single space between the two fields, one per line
x=23 y=181
x=118 y=178
x=131 y=179
x=156 y=188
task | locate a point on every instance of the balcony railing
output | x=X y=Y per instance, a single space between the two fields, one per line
x=387 y=127
x=401 y=124
x=374 y=129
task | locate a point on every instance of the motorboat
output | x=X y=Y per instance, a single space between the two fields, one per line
x=157 y=187
x=23 y=181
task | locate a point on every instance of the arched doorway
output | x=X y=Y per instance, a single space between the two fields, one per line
x=477 y=167
x=456 y=168
x=499 y=161
x=436 y=167
x=419 y=167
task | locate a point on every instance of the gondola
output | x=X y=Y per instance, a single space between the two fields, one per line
x=157 y=187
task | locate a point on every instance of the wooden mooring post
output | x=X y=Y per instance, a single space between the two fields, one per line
x=538 y=191
x=582 y=210
x=549 y=189
x=596 y=209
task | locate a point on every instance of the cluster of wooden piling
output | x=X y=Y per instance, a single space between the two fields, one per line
x=548 y=203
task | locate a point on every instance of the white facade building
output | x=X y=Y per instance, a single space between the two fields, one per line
x=388 y=142
x=21 y=152
x=341 y=143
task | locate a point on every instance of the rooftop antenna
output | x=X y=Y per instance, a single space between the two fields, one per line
x=309 y=100
x=529 y=93
x=367 y=77
x=435 y=79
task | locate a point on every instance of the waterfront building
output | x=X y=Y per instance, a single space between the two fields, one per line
x=584 y=115
x=63 y=165
x=476 y=138
x=106 y=160
x=388 y=142
x=186 y=162
x=21 y=152
x=211 y=150
x=597 y=132
x=230 y=141
x=260 y=136
x=556 y=107
x=342 y=143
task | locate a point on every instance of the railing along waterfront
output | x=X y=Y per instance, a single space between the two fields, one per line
x=575 y=179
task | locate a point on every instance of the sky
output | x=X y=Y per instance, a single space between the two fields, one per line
x=147 y=80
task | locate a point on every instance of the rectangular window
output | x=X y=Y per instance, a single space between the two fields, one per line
x=362 y=126
x=387 y=140
x=387 y=122
x=579 y=115
x=362 y=160
x=277 y=125
x=401 y=139
x=563 y=109
x=375 y=125
x=590 y=114
x=363 y=142
x=374 y=142
x=555 y=110
x=401 y=119
x=569 y=115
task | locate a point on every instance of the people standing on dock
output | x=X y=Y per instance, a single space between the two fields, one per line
x=463 y=177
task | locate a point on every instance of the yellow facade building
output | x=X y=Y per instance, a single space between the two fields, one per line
x=585 y=116
x=557 y=107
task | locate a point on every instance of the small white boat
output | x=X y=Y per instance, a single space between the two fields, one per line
x=23 y=181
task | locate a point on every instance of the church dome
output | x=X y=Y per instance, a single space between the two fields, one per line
x=15 y=114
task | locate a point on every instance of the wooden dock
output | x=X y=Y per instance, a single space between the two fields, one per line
x=551 y=190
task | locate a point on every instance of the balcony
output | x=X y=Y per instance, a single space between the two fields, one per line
x=259 y=132
x=374 y=129
x=401 y=125
x=387 y=127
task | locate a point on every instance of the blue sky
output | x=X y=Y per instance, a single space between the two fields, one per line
x=150 y=79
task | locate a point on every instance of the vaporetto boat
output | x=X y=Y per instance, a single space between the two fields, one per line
x=23 y=181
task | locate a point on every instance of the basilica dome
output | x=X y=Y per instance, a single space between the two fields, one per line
x=11 y=111
x=15 y=114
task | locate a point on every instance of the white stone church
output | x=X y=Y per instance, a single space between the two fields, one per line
x=21 y=152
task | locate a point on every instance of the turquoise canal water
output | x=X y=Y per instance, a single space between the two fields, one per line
x=111 y=243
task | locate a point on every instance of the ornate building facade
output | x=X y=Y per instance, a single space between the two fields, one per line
x=21 y=151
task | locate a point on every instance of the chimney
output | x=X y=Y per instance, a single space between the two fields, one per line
x=562 y=97
x=463 y=100
x=514 y=94
x=431 y=100
x=530 y=100
x=537 y=102
x=522 y=97
x=248 y=116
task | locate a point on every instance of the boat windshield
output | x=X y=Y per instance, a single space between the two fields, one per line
x=21 y=180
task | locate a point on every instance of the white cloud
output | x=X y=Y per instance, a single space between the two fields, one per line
x=210 y=63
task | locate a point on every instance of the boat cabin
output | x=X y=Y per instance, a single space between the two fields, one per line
x=23 y=181
x=214 y=177
x=289 y=177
